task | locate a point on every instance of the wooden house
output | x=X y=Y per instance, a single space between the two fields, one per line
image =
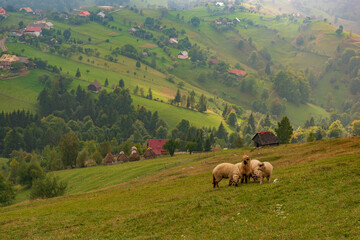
x=94 y=87
x=262 y=139
x=157 y=146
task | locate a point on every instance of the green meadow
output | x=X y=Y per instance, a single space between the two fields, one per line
x=315 y=196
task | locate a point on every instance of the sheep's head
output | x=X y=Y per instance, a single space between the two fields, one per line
x=246 y=159
x=236 y=179
x=261 y=166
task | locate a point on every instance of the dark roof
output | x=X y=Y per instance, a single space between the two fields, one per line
x=96 y=84
x=265 y=138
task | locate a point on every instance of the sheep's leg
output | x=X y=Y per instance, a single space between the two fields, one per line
x=242 y=179
x=230 y=181
x=261 y=180
x=246 y=179
x=268 y=179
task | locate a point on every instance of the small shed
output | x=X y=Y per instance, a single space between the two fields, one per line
x=262 y=139
x=94 y=87
x=183 y=55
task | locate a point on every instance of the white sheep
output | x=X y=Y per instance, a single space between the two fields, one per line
x=225 y=170
x=264 y=170
x=245 y=168
x=253 y=165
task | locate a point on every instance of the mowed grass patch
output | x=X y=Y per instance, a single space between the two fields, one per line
x=314 y=198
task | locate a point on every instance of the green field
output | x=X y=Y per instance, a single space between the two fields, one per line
x=315 y=197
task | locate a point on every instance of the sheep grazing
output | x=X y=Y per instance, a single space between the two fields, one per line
x=225 y=170
x=254 y=165
x=264 y=170
x=245 y=168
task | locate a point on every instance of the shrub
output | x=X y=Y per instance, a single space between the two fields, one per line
x=7 y=193
x=47 y=187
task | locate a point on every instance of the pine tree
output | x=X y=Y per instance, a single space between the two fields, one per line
x=225 y=111
x=202 y=106
x=121 y=83
x=177 y=97
x=138 y=65
x=221 y=132
x=106 y=82
x=188 y=102
x=284 y=130
x=267 y=69
x=78 y=74
x=149 y=96
x=232 y=120
x=251 y=122
x=267 y=122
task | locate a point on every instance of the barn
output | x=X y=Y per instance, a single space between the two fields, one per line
x=262 y=139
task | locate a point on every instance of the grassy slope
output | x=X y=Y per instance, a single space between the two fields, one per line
x=316 y=197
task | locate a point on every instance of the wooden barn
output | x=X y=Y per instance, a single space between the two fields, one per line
x=94 y=87
x=263 y=139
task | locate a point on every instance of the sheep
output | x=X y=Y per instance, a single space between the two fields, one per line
x=225 y=170
x=245 y=168
x=264 y=170
x=253 y=165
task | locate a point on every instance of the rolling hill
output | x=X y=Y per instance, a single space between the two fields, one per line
x=315 y=196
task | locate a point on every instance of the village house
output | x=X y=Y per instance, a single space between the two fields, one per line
x=263 y=139
x=132 y=30
x=237 y=72
x=101 y=14
x=237 y=19
x=157 y=146
x=26 y=10
x=16 y=33
x=213 y=61
x=84 y=14
x=34 y=31
x=94 y=87
x=218 y=21
x=38 y=12
x=173 y=41
x=183 y=55
x=219 y=4
x=2 y=11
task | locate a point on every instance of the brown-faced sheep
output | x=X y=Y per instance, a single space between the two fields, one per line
x=245 y=168
x=225 y=170
x=264 y=170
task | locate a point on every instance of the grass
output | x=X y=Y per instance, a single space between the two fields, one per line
x=316 y=197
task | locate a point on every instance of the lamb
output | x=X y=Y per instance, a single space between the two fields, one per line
x=264 y=170
x=245 y=168
x=225 y=170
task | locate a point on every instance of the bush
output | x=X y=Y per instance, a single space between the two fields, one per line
x=97 y=157
x=47 y=187
x=7 y=193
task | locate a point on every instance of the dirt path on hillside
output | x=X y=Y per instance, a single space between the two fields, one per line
x=2 y=44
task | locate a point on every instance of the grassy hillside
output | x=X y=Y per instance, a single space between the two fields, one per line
x=316 y=196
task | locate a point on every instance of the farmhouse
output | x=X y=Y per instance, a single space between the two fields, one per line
x=101 y=14
x=218 y=21
x=16 y=33
x=132 y=30
x=173 y=41
x=2 y=11
x=157 y=146
x=183 y=55
x=84 y=14
x=26 y=10
x=263 y=139
x=219 y=4
x=94 y=87
x=213 y=61
x=34 y=31
x=237 y=72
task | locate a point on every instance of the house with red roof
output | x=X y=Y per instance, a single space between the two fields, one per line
x=2 y=11
x=84 y=14
x=157 y=146
x=237 y=72
x=214 y=61
x=35 y=31
x=26 y=10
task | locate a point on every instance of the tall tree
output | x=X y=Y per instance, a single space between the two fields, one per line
x=202 y=106
x=177 y=97
x=284 y=130
x=221 y=132
x=78 y=74
x=171 y=145
x=69 y=147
